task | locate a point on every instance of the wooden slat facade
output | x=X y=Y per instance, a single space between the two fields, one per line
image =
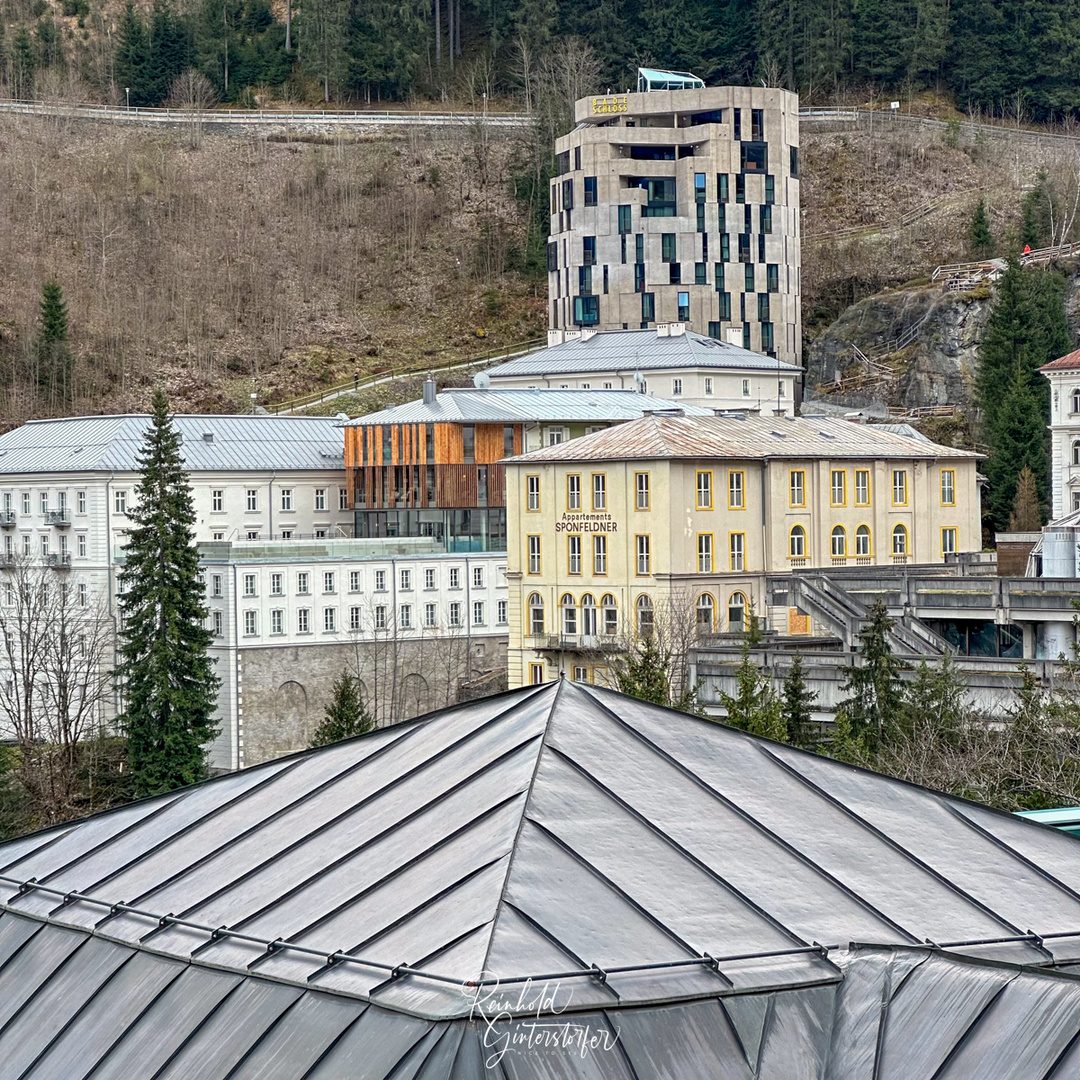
x=388 y=465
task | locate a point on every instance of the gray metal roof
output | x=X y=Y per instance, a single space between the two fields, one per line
x=638 y=350
x=512 y=406
x=663 y=878
x=250 y=442
x=658 y=438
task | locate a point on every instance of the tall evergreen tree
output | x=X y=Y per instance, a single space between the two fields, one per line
x=165 y=671
x=797 y=699
x=131 y=62
x=875 y=688
x=23 y=64
x=754 y=707
x=1026 y=513
x=980 y=238
x=52 y=351
x=345 y=716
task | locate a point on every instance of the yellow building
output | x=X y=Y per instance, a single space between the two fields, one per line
x=681 y=517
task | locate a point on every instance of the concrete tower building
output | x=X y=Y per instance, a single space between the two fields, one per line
x=680 y=204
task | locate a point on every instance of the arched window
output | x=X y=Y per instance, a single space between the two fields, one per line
x=610 y=614
x=588 y=616
x=1076 y=401
x=536 y=615
x=899 y=540
x=569 y=616
x=797 y=542
x=706 y=613
x=862 y=541
x=736 y=612
x=644 y=616
x=1076 y=452
x=839 y=542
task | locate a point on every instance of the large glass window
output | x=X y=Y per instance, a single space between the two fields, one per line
x=586 y=310
x=590 y=190
x=625 y=220
x=661 y=198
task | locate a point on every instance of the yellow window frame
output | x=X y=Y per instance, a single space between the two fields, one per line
x=792 y=473
x=832 y=487
x=869 y=488
x=697 y=489
x=832 y=535
x=907 y=539
x=731 y=552
x=741 y=474
x=907 y=486
x=806 y=541
x=712 y=552
x=870 y=532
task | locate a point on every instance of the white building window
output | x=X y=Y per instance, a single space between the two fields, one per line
x=286 y=499
x=303 y=621
x=405 y=616
x=83 y=598
x=276 y=585
x=676 y=387
x=354 y=581
x=253 y=499
x=217 y=536
x=455 y=614
x=380 y=581
x=430 y=616
x=380 y=616
x=277 y=621
x=26 y=544
x=251 y=623
x=302 y=580
x=45 y=545
x=455 y=577
x=215 y=584
x=746 y=388
x=501 y=613
x=429 y=578
x=119 y=502
x=44 y=502
x=286 y=534
x=249 y=585
x=26 y=502
x=320 y=498
x=329 y=619
x=708 y=385
x=329 y=582
x=320 y=534
x=478 y=613
x=354 y=617
x=343 y=498
x=217 y=500
x=219 y=624
x=80 y=502
x=82 y=545
x=406 y=580
x=478 y=577
x=253 y=534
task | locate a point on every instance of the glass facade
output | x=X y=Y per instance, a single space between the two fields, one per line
x=460 y=530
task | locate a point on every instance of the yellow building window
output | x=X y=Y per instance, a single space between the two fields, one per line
x=899 y=487
x=641 y=491
x=536 y=615
x=704 y=490
x=534 y=554
x=797 y=488
x=599 y=491
x=737 y=551
x=573 y=492
x=863 y=545
x=948 y=487
x=536 y=674
x=644 y=555
x=862 y=487
x=900 y=540
x=839 y=542
x=573 y=555
x=797 y=542
x=705 y=553
x=736 y=490
x=532 y=497
x=838 y=487
x=706 y=613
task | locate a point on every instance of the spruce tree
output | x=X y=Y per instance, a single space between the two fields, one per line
x=1026 y=513
x=53 y=354
x=797 y=699
x=167 y=678
x=345 y=716
x=875 y=688
x=132 y=58
x=980 y=238
x=754 y=707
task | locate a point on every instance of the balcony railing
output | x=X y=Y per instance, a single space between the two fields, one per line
x=7 y=519
x=899 y=560
x=57 y=517
x=576 y=642
x=58 y=560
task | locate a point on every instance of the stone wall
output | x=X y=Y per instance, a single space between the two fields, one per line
x=285 y=690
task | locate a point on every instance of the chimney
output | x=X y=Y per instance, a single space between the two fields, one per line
x=429 y=391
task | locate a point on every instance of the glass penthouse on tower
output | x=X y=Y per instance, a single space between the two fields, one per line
x=680 y=204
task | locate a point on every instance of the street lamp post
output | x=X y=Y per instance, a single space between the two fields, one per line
x=127 y=95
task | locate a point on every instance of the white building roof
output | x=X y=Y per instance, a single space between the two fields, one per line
x=639 y=350
x=515 y=406
x=212 y=443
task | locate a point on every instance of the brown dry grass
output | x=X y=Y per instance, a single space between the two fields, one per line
x=241 y=262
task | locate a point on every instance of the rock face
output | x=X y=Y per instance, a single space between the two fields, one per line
x=927 y=337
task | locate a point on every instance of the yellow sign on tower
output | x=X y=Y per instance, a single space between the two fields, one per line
x=617 y=104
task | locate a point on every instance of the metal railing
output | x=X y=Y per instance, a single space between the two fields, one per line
x=57 y=517
x=375 y=378
x=58 y=560
x=7 y=519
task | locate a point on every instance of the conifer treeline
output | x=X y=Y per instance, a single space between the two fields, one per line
x=998 y=57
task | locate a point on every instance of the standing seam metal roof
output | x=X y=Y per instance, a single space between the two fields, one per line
x=351 y=905
x=636 y=350
x=250 y=442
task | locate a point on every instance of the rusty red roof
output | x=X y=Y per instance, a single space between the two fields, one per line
x=1063 y=363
